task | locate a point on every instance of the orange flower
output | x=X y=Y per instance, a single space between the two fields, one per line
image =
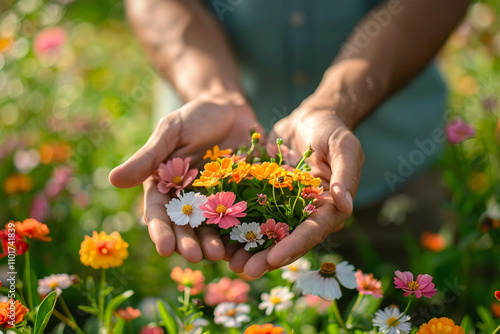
x=264 y=329
x=128 y=313
x=311 y=192
x=240 y=172
x=497 y=295
x=103 y=250
x=265 y=170
x=495 y=309
x=440 y=326
x=7 y=319
x=32 y=229
x=56 y=152
x=216 y=153
x=281 y=179
x=5 y=43
x=214 y=171
x=17 y=183
x=188 y=277
x=432 y=241
x=206 y=182
x=305 y=178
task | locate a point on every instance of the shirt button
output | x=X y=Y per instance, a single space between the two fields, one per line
x=299 y=78
x=297 y=19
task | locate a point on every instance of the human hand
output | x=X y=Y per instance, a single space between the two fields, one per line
x=223 y=120
x=337 y=160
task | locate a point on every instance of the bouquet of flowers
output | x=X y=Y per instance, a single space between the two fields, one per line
x=254 y=198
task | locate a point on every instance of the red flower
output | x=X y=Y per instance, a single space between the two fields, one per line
x=273 y=230
x=497 y=295
x=19 y=245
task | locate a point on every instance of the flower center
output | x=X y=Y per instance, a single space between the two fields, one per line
x=392 y=321
x=190 y=327
x=231 y=313
x=221 y=209
x=187 y=209
x=293 y=267
x=177 y=180
x=413 y=285
x=102 y=248
x=53 y=285
x=250 y=236
x=327 y=269
x=275 y=300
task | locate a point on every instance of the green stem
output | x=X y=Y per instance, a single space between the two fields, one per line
x=282 y=318
x=185 y=305
x=65 y=308
x=28 y=280
x=338 y=316
x=296 y=198
x=497 y=331
x=404 y=313
x=129 y=327
x=234 y=331
x=71 y=324
x=101 y=296
x=350 y=317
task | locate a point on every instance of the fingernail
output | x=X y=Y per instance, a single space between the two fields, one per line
x=348 y=197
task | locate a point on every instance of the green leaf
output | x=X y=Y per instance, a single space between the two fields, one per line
x=31 y=282
x=90 y=284
x=167 y=318
x=466 y=323
x=113 y=305
x=485 y=316
x=45 y=312
x=88 y=309
x=174 y=308
x=119 y=327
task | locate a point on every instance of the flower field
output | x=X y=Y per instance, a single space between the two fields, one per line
x=76 y=100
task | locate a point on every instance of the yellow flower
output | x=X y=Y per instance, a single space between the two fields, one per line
x=240 y=172
x=440 y=326
x=214 y=171
x=305 y=178
x=265 y=171
x=216 y=153
x=103 y=250
x=281 y=179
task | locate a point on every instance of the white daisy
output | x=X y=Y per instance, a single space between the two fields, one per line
x=249 y=233
x=231 y=315
x=386 y=321
x=196 y=326
x=295 y=270
x=279 y=299
x=186 y=209
x=323 y=282
x=55 y=282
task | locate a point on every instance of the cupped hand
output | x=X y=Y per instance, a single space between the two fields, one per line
x=337 y=160
x=223 y=120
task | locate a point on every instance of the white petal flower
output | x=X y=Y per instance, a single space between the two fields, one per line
x=279 y=299
x=196 y=326
x=186 y=209
x=231 y=315
x=323 y=282
x=248 y=233
x=295 y=270
x=386 y=321
x=55 y=282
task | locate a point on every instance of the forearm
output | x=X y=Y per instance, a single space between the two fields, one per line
x=186 y=46
x=363 y=75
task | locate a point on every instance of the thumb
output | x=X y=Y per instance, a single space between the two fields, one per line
x=346 y=161
x=145 y=161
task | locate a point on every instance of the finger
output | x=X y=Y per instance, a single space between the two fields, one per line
x=346 y=161
x=187 y=244
x=143 y=163
x=231 y=248
x=211 y=243
x=308 y=234
x=257 y=265
x=239 y=259
x=155 y=215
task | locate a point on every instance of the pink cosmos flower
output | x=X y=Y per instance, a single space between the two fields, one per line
x=175 y=174
x=457 y=131
x=49 y=40
x=273 y=230
x=310 y=209
x=220 y=209
x=422 y=286
x=227 y=290
x=367 y=285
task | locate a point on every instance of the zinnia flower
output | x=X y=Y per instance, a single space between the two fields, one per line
x=216 y=153
x=422 y=286
x=175 y=174
x=325 y=281
x=227 y=290
x=264 y=329
x=273 y=230
x=497 y=295
x=281 y=179
x=434 y=242
x=231 y=315
x=190 y=278
x=305 y=178
x=57 y=282
x=6 y=318
x=386 y=321
x=49 y=40
x=241 y=172
x=103 y=250
x=495 y=309
x=457 y=131
x=186 y=209
x=33 y=229
x=128 y=314
x=248 y=233
x=220 y=209
x=440 y=326
x=296 y=270
x=280 y=299
x=19 y=245
x=310 y=209
x=262 y=199
x=17 y=183
x=151 y=329
x=195 y=326
x=266 y=170
x=367 y=285
x=312 y=192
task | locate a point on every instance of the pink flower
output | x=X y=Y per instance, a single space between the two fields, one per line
x=57 y=183
x=151 y=329
x=422 y=286
x=310 y=209
x=262 y=199
x=40 y=207
x=312 y=192
x=220 y=209
x=49 y=40
x=175 y=174
x=457 y=131
x=367 y=285
x=273 y=230
x=316 y=302
x=227 y=290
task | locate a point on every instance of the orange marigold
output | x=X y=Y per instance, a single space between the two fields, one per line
x=188 y=277
x=103 y=250
x=240 y=172
x=265 y=170
x=214 y=171
x=17 y=183
x=33 y=229
x=8 y=319
x=440 y=326
x=434 y=242
x=495 y=309
x=264 y=329
x=216 y=153
x=281 y=179
x=305 y=178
